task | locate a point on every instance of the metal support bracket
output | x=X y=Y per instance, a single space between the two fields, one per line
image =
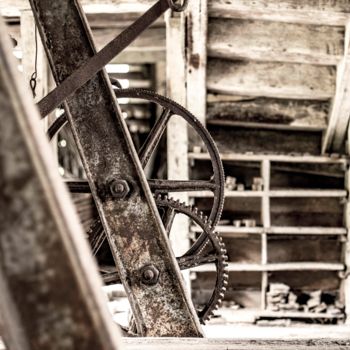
x=132 y=223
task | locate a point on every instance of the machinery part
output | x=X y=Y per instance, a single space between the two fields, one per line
x=149 y=275
x=216 y=184
x=133 y=227
x=177 y=6
x=119 y=188
x=213 y=252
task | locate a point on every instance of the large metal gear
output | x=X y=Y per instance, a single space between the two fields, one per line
x=215 y=184
x=208 y=247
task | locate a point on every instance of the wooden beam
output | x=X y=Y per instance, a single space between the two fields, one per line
x=304 y=12
x=273 y=157
x=340 y=110
x=231 y=344
x=298 y=113
x=196 y=58
x=177 y=130
x=279 y=80
x=290 y=266
x=42 y=244
x=258 y=40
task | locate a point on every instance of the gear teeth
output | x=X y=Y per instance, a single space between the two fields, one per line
x=218 y=245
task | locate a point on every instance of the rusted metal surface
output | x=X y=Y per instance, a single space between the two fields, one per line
x=132 y=224
x=49 y=286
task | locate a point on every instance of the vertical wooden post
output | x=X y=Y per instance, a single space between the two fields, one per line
x=177 y=131
x=196 y=56
x=266 y=222
x=346 y=251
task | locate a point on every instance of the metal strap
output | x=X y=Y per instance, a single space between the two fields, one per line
x=85 y=72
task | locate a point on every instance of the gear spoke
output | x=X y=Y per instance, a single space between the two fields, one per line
x=168 y=219
x=154 y=137
x=165 y=186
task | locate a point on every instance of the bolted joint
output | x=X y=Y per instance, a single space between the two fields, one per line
x=149 y=275
x=119 y=188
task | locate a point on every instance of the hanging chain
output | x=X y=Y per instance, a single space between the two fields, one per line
x=34 y=76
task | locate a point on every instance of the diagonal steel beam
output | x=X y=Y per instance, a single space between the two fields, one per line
x=140 y=247
x=49 y=286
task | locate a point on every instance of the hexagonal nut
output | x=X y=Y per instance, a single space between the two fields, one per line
x=149 y=275
x=119 y=188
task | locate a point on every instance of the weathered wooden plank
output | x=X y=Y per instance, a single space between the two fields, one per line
x=275 y=41
x=306 y=5
x=279 y=80
x=268 y=110
x=289 y=266
x=288 y=158
x=292 y=11
x=242 y=140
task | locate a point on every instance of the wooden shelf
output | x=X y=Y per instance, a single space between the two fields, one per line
x=251 y=125
x=247 y=157
x=298 y=193
x=230 y=231
x=291 y=193
x=290 y=230
x=297 y=314
x=248 y=193
x=290 y=266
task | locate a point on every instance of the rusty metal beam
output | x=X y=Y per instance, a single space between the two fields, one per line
x=126 y=207
x=49 y=286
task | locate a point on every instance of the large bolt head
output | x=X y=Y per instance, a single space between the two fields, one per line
x=119 y=188
x=149 y=275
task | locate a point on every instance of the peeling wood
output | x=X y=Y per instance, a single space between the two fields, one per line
x=268 y=110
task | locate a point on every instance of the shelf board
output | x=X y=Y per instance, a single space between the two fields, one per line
x=267 y=126
x=312 y=230
x=297 y=314
x=230 y=231
x=307 y=193
x=287 y=158
x=290 y=266
x=228 y=194
x=291 y=193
